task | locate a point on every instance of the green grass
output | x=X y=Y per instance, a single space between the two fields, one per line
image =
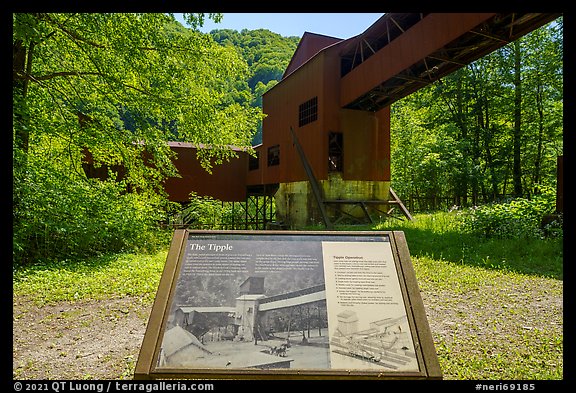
x=108 y=276
x=499 y=342
x=494 y=336
x=438 y=236
x=459 y=268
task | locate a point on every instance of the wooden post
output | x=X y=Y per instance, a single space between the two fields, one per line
x=313 y=182
x=401 y=205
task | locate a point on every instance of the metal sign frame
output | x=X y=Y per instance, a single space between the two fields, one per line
x=182 y=264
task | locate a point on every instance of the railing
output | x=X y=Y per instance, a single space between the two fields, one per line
x=421 y=204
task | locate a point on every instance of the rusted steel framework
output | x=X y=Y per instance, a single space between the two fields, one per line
x=259 y=208
x=405 y=52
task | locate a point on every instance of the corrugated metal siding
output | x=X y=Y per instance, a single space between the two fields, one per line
x=226 y=183
x=364 y=132
x=309 y=45
x=382 y=141
x=256 y=176
x=281 y=105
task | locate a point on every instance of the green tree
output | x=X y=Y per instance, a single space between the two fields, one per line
x=77 y=80
x=267 y=55
x=101 y=64
x=543 y=57
x=492 y=128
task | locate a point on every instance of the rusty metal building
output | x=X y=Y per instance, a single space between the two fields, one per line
x=334 y=102
x=325 y=151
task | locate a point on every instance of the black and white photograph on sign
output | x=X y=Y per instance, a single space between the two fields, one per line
x=265 y=304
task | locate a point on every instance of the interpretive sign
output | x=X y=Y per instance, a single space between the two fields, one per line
x=285 y=304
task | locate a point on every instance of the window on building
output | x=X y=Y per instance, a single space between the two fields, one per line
x=274 y=155
x=254 y=162
x=335 y=152
x=308 y=112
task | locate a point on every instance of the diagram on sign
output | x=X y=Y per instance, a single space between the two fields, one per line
x=386 y=342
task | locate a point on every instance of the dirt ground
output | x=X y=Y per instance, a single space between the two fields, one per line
x=102 y=339
x=81 y=340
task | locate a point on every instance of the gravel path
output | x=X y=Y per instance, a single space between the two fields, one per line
x=101 y=339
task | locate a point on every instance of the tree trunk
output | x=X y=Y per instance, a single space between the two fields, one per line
x=19 y=90
x=462 y=196
x=539 y=106
x=21 y=67
x=488 y=148
x=475 y=160
x=517 y=168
